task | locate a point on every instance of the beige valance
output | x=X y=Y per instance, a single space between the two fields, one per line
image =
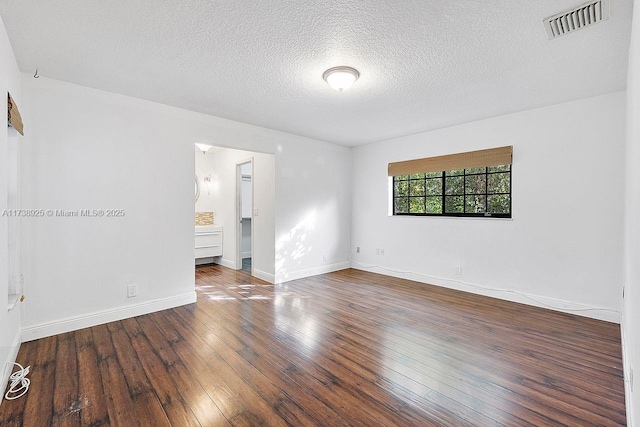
x=13 y=115
x=472 y=159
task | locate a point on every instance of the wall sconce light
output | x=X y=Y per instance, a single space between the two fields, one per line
x=203 y=147
x=207 y=179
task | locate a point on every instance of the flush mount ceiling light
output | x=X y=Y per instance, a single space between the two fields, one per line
x=341 y=78
x=203 y=147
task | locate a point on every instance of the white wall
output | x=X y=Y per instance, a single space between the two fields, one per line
x=94 y=150
x=222 y=200
x=14 y=143
x=631 y=318
x=9 y=320
x=313 y=209
x=563 y=247
x=90 y=149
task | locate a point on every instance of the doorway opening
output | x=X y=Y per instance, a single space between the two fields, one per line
x=235 y=210
x=244 y=215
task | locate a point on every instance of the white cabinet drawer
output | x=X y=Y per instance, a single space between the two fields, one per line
x=208 y=242
x=208 y=239
x=209 y=251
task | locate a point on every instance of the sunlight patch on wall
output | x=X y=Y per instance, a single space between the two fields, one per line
x=291 y=247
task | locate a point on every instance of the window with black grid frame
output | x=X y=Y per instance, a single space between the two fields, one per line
x=478 y=191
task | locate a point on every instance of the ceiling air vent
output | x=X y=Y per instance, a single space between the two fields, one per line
x=576 y=19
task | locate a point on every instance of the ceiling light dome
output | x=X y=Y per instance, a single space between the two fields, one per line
x=341 y=78
x=203 y=147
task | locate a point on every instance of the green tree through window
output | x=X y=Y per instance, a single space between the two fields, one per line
x=484 y=191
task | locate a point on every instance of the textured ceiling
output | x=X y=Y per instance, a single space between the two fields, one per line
x=424 y=64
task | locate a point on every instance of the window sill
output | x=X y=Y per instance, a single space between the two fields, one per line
x=13 y=300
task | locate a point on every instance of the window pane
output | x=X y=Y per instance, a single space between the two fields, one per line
x=500 y=203
x=416 y=187
x=475 y=184
x=434 y=204
x=401 y=205
x=402 y=188
x=503 y=168
x=475 y=170
x=434 y=186
x=474 y=204
x=498 y=183
x=454 y=185
x=416 y=205
x=466 y=192
x=454 y=204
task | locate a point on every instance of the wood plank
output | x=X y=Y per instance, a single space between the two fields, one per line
x=345 y=348
x=66 y=402
x=120 y=406
x=13 y=410
x=163 y=386
x=204 y=408
x=229 y=403
x=160 y=342
x=94 y=405
x=333 y=379
x=149 y=411
x=366 y=377
x=39 y=400
x=260 y=408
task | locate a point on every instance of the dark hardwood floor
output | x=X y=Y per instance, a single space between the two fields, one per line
x=347 y=348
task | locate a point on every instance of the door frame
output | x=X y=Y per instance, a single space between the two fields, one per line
x=238 y=214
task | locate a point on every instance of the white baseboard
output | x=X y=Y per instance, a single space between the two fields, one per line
x=598 y=313
x=626 y=368
x=216 y=260
x=69 y=324
x=301 y=274
x=267 y=277
x=226 y=263
x=8 y=365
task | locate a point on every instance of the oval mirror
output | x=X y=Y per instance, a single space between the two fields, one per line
x=197 y=181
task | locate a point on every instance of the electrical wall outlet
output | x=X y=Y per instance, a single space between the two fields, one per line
x=457 y=270
x=381 y=251
x=357 y=249
x=132 y=291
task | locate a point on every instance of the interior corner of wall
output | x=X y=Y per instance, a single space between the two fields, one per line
x=7 y=367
